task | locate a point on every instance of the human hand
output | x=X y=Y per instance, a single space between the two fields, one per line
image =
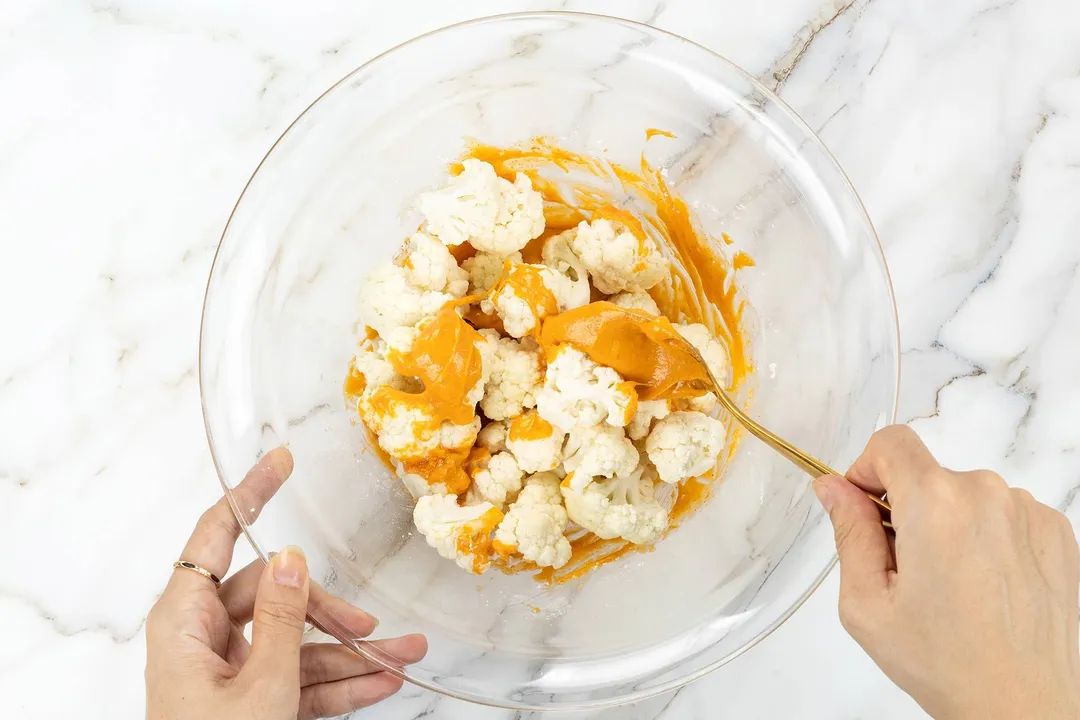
x=198 y=663
x=973 y=610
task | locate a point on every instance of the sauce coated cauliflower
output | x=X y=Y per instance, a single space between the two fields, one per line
x=495 y=417
x=461 y=534
x=536 y=443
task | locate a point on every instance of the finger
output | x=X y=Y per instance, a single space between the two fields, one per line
x=865 y=558
x=330 y=662
x=893 y=461
x=237 y=649
x=211 y=544
x=277 y=627
x=326 y=700
x=239 y=591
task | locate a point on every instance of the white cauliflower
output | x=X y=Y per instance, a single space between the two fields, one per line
x=485 y=268
x=370 y=361
x=712 y=352
x=616 y=259
x=461 y=534
x=516 y=374
x=492 y=214
x=623 y=506
x=389 y=301
x=497 y=479
x=493 y=437
x=430 y=266
x=534 y=524
x=536 y=443
x=579 y=393
x=684 y=445
x=637 y=300
x=567 y=278
x=647 y=411
x=600 y=450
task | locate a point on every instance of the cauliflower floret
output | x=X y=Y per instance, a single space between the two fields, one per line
x=497 y=478
x=485 y=268
x=617 y=260
x=522 y=298
x=567 y=277
x=516 y=374
x=623 y=506
x=637 y=300
x=430 y=266
x=407 y=430
x=536 y=443
x=388 y=301
x=712 y=352
x=579 y=393
x=492 y=214
x=647 y=411
x=461 y=534
x=600 y=450
x=370 y=361
x=372 y=364
x=684 y=445
x=534 y=524
x=493 y=437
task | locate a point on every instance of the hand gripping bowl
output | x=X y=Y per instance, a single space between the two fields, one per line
x=331 y=199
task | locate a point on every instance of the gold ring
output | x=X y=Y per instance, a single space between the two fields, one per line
x=201 y=570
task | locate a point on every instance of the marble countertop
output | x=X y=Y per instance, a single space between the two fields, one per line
x=129 y=128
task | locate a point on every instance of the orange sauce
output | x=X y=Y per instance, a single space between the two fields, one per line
x=355 y=384
x=530 y=426
x=643 y=349
x=462 y=252
x=484 y=321
x=650 y=133
x=446 y=359
x=742 y=260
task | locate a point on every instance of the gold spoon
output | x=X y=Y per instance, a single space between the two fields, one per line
x=806 y=462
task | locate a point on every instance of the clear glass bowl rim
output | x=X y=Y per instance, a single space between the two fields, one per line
x=794 y=119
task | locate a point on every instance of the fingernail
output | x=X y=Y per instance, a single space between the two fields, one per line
x=290 y=566
x=824 y=493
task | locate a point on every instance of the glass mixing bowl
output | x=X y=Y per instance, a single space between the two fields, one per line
x=332 y=198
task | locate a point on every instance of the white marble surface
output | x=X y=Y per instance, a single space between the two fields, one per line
x=128 y=128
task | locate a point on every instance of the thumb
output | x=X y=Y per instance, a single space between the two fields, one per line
x=865 y=557
x=277 y=625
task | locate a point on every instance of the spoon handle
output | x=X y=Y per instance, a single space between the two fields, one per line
x=808 y=463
